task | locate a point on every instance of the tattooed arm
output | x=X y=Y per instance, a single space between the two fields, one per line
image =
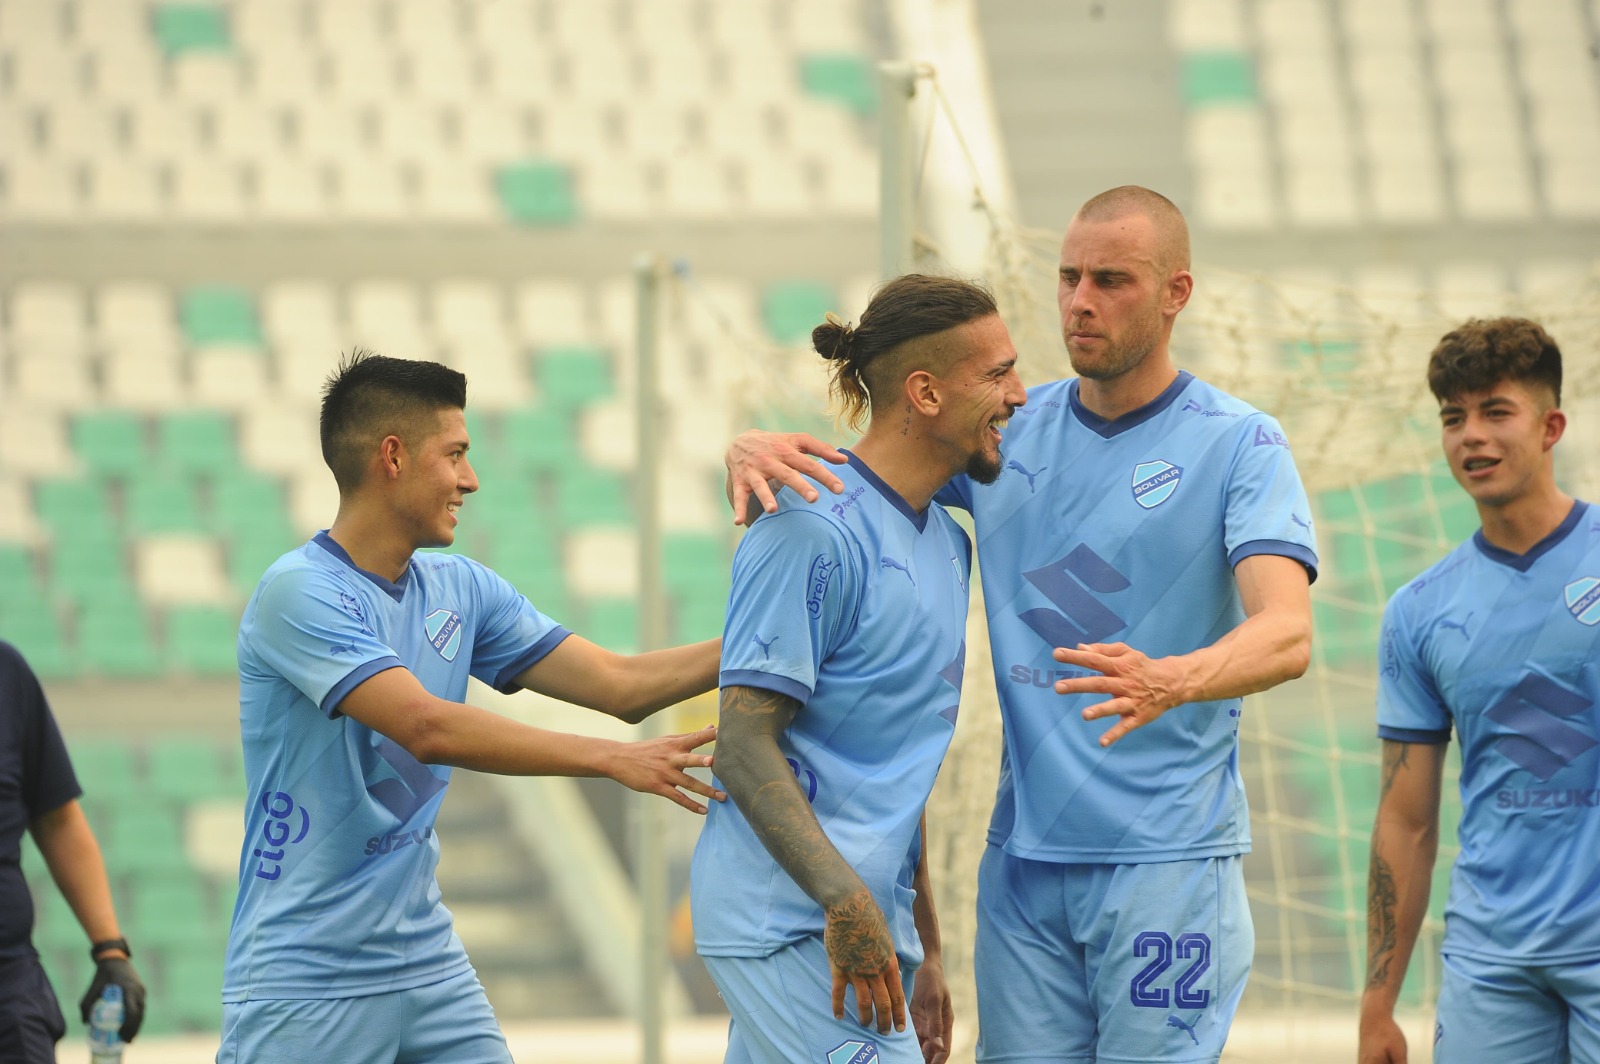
x=763 y=786
x=1405 y=842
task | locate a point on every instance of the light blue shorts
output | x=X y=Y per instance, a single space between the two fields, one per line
x=449 y=1022
x=782 y=1012
x=1524 y=1014
x=1088 y=962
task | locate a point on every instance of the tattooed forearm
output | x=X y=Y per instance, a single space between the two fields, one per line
x=1382 y=897
x=762 y=784
x=856 y=937
x=1395 y=757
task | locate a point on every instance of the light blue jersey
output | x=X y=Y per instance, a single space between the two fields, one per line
x=855 y=606
x=1125 y=531
x=337 y=896
x=1506 y=648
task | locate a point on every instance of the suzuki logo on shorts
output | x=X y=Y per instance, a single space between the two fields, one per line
x=283 y=829
x=444 y=632
x=1539 y=711
x=1067 y=583
x=1154 y=482
x=854 y=1053
x=1583 y=599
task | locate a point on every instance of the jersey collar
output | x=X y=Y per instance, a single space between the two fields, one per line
x=894 y=497
x=1139 y=416
x=1523 y=562
x=394 y=590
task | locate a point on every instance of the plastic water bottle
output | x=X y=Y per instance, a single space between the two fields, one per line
x=105 y=1027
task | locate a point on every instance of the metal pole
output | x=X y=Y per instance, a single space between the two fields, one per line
x=897 y=213
x=651 y=818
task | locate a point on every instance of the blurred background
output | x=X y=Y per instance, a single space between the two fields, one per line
x=202 y=204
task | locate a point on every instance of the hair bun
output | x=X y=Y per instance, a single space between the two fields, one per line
x=832 y=338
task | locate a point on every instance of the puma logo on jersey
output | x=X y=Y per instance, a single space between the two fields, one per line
x=765 y=645
x=1174 y=1021
x=890 y=563
x=1460 y=626
x=1020 y=468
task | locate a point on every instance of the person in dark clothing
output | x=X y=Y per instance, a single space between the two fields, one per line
x=39 y=793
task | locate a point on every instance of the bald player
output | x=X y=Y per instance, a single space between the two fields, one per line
x=1150 y=564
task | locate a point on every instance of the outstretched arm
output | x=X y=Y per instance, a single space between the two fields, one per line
x=752 y=766
x=629 y=687
x=932 y=1012
x=1272 y=644
x=437 y=731
x=759 y=462
x=1405 y=843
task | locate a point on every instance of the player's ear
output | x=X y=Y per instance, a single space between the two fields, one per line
x=923 y=393
x=1180 y=286
x=391 y=456
x=1555 y=426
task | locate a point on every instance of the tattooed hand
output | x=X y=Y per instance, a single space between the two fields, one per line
x=861 y=954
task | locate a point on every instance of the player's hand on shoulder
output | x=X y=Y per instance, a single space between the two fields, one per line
x=1139 y=688
x=861 y=954
x=758 y=462
x=658 y=766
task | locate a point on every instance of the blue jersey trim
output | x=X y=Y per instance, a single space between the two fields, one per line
x=1299 y=552
x=506 y=683
x=360 y=674
x=765 y=681
x=396 y=591
x=894 y=497
x=1413 y=735
x=1107 y=429
x=1523 y=562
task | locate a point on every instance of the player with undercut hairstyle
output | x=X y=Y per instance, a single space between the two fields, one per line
x=841 y=674
x=1150 y=564
x=1500 y=641
x=354 y=656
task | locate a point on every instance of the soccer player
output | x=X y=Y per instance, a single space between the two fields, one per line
x=354 y=654
x=1500 y=640
x=841 y=674
x=1150 y=562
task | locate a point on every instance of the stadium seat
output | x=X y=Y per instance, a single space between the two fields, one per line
x=182 y=29
x=110 y=442
x=219 y=315
x=180 y=568
x=202 y=641
x=193 y=985
x=188 y=768
x=537 y=193
x=244 y=500
x=573 y=376
x=791 y=309
x=612 y=623
x=142 y=837
x=586 y=497
x=162 y=500
x=1219 y=77
x=106 y=769
x=250 y=552
x=114 y=638
x=69 y=504
x=843 y=77
x=197 y=442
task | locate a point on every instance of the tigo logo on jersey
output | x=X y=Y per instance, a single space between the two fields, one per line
x=444 y=632
x=1154 y=482
x=854 y=1053
x=1583 y=599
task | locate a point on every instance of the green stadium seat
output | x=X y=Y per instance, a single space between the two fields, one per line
x=533 y=566
x=698 y=616
x=166 y=908
x=111 y=442
x=54 y=925
x=198 y=441
x=114 y=638
x=18 y=580
x=694 y=561
x=587 y=497
x=67 y=502
x=1218 y=78
x=142 y=837
x=244 y=500
x=87 y=565
x=162 y=501
x=189 y=768
x=219 y=315
x=612 y=623
x=541 y=438
x=30 y=625
x=844 y=77
x=106 y=769
x=537 y=193
x=251 y=551
x=568 y=377
x=791 y=309
x=68 y=968
x=202 y=640
x=193 y=985
x=183 y=28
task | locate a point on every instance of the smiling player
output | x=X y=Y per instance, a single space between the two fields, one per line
x=1500 y=640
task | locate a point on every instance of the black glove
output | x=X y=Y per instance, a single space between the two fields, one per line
x=115 y=971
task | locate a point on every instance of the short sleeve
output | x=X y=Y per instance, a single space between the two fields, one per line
x=48 y=782
x=512 y=636
x=795 y=596
x=1267 y=509
x=1410 y=708
x=312 y=631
